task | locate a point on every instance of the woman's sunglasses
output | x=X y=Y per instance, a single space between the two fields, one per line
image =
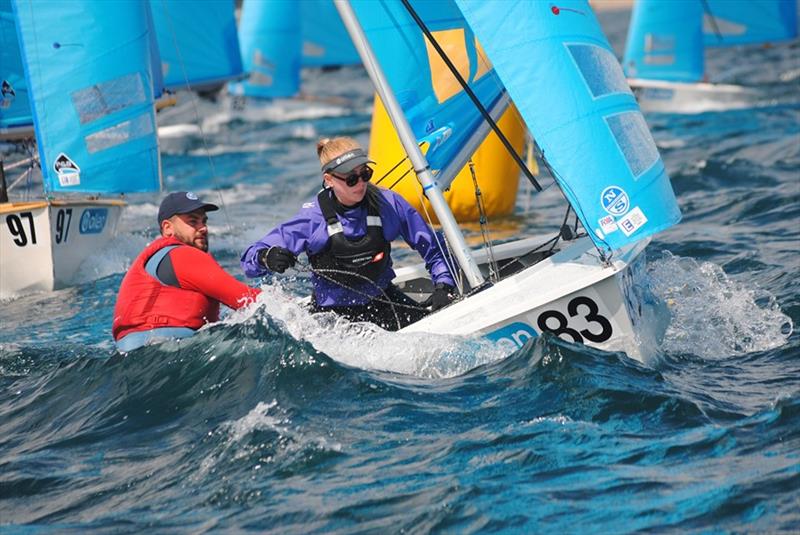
x=352 y=179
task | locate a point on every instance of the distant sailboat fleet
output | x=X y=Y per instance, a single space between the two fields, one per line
x=667 y=42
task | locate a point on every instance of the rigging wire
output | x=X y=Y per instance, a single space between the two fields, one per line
x=458 y=275
x=468 y=90
x=713 y=19
x=494 y=273
x=605 y=256
x=193 y=100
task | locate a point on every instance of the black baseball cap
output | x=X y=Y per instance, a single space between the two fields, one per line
x=182 y=202
x=346 y=162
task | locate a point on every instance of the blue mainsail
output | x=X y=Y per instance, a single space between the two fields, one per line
x=325 y=39
x=90 y=83
x=15 y=107
x=566 y=81
x=198 y=43
x=436 y=106
x=665 y=41
x=737 y=22
x=269 y=33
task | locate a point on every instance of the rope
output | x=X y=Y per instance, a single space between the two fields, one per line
x=321 y=273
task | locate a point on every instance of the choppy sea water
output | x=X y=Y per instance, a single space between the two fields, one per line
x=277 y=421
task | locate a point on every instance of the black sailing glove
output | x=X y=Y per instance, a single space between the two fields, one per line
x=442 y=295
x=277 y=259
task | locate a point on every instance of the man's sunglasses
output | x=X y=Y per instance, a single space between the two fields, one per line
x=352 y=179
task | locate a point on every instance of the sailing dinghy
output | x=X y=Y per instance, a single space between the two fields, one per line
x=554 y=62
x=667 y=41
x=90 y=88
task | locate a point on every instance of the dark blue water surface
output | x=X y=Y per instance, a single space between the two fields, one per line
x=277 y=421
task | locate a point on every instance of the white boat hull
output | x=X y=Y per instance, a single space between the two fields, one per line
x=42 y=244
x=571 y=294
x=679 y=97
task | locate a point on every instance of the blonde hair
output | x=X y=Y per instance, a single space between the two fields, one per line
x=328 y=149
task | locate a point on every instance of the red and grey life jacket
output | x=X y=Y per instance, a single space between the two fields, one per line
x=352 y=261
x=145 y=303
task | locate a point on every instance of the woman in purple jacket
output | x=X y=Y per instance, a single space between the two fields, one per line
x=346 y=233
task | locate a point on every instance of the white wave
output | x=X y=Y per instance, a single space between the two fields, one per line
x=366 y=346
x=790 y=75
x=263 y=417
x=178 y=130
x=713 y=315
x=116 y=257
x=671 y=143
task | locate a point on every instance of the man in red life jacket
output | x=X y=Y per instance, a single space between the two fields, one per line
x=175 y=286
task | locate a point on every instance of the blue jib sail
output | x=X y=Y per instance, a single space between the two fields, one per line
x=566 y=81
x=665 y=41
x=91 y=86
x=269 y=33
x=737 y=22
x=198 y=43
x=436 y=106
x=325 y=39
x=15 y=107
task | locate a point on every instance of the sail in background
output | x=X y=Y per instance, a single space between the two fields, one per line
x=15 y=107
x=91 y=85
x=665 y=41
x=279 y=37
x=197 y=42
x=738 y=22
x=584 y=118
x=325 y=39
x=270 y=38
x=436 y=106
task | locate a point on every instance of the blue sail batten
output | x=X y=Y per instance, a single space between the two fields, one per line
x=198 y=43
x=90 y=82
x=665 y=41
x=270 y=38
x=566 y=82
x=431 y=97
x=15 y=106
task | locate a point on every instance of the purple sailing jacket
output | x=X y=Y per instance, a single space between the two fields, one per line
x=307 y=233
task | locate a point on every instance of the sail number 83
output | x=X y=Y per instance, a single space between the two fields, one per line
x=555 y=322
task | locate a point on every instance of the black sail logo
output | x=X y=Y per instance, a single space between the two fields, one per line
x=69 y=174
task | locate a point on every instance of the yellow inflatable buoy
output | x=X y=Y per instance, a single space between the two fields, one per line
x=496 y=172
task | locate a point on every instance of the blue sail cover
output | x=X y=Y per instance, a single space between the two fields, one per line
x=197 y=42
x=665 y=41
x=15 y=107
x=91 y=84
x=269 y=33
x=435 y=105
x=325 y=39
x=737 y=22
x=566 y=82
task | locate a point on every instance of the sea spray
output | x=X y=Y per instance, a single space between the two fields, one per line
x=713 y=315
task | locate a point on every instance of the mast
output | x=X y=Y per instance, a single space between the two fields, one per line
x=407 y=138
